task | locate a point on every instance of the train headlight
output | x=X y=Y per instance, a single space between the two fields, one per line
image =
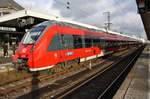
x=24 y=50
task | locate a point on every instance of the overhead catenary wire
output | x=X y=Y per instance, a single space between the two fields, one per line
x=72 y=7
x=84 y=13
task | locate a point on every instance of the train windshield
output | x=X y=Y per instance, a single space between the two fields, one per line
x=33 y=34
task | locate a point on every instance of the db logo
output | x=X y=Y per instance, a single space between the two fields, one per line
x=69 y=53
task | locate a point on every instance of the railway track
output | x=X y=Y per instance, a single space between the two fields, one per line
x=62 y=85
x=43 y=80
x=4 y=60
x=105 y=83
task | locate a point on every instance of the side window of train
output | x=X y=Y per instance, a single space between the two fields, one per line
x=77 y=41
x=88 y=42
x=106 y=44
x=96 y=42
x=55 y=43
x=102 y=43
x=67 y=41
x=111 y=43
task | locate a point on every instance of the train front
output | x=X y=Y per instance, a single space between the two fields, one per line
x=26 y=47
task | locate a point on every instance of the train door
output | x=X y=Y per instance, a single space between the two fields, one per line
x=78 y=43
x=101 y=44
x=104 y=43
x=54 y=49
x=67 y=47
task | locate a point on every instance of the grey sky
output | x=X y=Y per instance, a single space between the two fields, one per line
x=124 y=14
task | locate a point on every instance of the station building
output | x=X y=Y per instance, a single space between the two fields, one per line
x=7 y=7
x=16 y=20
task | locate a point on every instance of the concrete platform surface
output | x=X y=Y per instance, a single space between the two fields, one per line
x=137 y=83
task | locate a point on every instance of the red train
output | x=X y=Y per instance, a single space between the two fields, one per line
x=53 y=42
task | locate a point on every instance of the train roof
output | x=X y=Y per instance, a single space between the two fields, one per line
x=108 y=35
x=12 y=19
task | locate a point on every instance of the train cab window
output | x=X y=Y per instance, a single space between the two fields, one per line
x=55 y=43
x=33 y=34
x=77 y=41
x=67 y=41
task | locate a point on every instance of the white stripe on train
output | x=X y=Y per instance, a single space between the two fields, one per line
x=42 y=68
x=81 y=60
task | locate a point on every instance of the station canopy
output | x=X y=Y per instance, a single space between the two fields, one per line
x=9 y=6
x=144 y=11
x=23 y=19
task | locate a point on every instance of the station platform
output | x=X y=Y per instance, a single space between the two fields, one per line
x=137 y=83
